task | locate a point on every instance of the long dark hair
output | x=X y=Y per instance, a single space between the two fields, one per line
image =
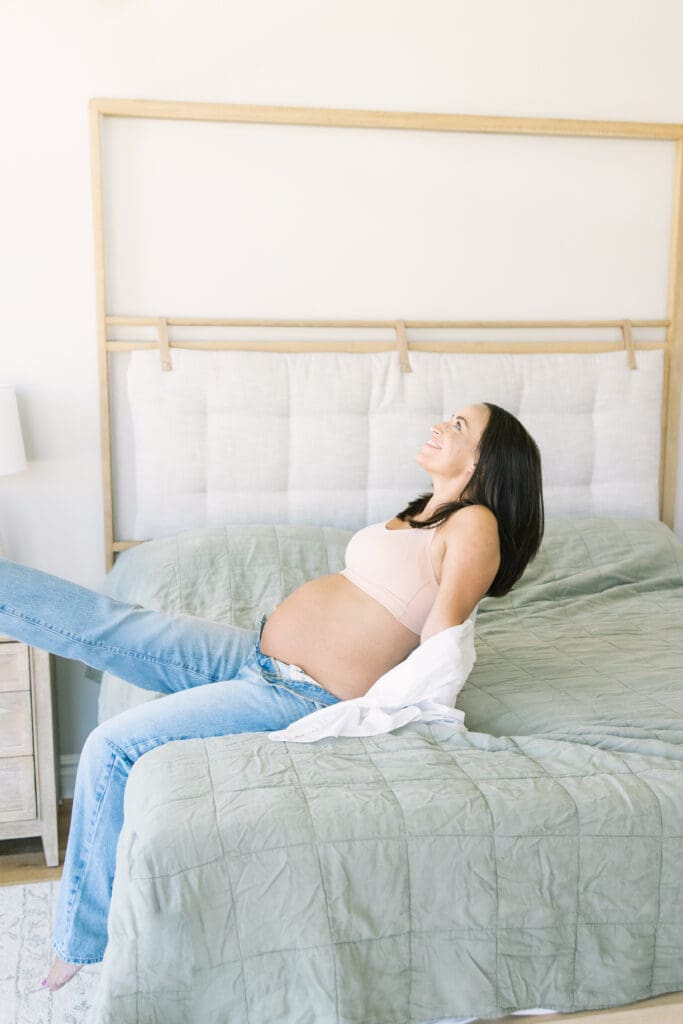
x=507 y=480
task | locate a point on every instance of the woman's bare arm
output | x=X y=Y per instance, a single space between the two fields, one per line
x=469 y=567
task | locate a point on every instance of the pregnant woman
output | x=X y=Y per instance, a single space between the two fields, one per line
x=330 y=640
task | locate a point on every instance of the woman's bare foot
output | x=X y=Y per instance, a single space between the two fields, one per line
x=60 y=973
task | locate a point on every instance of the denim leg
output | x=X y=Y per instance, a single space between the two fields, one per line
x=249 y=703
x=151 y=649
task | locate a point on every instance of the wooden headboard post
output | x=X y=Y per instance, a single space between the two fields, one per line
x=673 y=324
x=673 y=355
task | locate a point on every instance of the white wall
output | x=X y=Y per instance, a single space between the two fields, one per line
x=619 y=59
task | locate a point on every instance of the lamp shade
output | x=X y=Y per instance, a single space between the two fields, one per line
x=12 y=455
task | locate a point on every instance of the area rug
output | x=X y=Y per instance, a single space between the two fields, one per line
x=26 y=916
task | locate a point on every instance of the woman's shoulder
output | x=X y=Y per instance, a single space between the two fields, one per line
x=472 y=517
x=471 y=546
x=473 y=524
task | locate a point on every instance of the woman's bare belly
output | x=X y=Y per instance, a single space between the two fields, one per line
x=338 y=634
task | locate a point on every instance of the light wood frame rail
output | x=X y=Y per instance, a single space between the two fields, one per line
x=664 y=1009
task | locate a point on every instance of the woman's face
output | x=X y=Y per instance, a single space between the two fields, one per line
x=454 y=444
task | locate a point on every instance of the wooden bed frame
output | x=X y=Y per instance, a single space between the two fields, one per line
x=665 y=1009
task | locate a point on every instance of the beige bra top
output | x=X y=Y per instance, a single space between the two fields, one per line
x=395 y=567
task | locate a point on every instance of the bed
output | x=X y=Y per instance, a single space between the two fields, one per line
x=528 y=863
x=538 y=854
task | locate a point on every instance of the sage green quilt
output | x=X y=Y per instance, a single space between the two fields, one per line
x=532 y=861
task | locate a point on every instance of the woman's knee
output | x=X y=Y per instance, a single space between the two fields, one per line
x=101 y=745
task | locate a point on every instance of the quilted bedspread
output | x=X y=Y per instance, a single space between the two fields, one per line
x=534 y=860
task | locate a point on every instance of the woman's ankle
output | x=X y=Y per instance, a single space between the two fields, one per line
x=60 y=973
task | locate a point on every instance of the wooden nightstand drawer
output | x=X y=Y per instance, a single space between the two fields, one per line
x=17 y=789
x=16 y=731
x=14 y=667
x=28 y=776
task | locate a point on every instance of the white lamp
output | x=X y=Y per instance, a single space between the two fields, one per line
x=12 y=454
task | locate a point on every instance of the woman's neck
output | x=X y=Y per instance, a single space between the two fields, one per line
x=438 y=499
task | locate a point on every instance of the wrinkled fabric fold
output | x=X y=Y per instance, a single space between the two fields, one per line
x=422 y=688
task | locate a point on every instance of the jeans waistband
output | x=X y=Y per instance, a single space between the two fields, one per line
x=291 y=676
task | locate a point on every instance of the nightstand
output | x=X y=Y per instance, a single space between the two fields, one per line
x=28 y=777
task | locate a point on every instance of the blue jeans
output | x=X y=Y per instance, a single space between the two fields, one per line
x=217 y=680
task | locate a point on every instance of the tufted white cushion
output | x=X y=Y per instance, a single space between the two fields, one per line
x=331 y=438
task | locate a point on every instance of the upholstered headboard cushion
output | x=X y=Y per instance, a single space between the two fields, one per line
x=331 y=438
